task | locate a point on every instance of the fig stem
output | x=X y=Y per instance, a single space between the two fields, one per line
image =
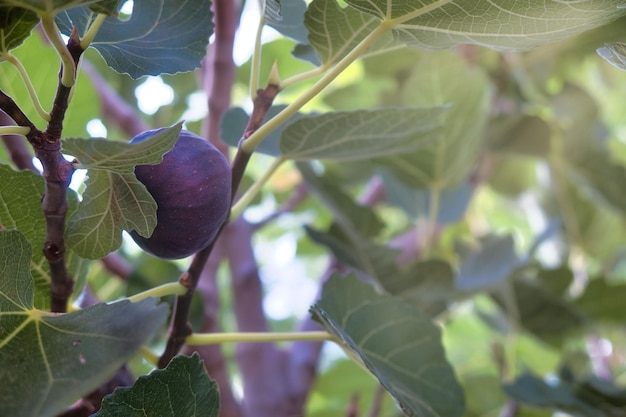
x=91 y=33
x=29 y=85
x=68 y=76
x=172 y=288
x=251 y=142
x=254 y=189
x=14 y=130
x=198 y=339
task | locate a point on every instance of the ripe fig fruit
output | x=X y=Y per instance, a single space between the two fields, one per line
x=192 y=188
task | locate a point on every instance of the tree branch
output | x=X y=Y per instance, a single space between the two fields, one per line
x=57 y=173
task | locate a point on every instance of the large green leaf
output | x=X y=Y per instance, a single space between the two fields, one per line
x=20 y=208
x=32 y=53
x=362 y=134
x=121 y=157
x=501 y=24
x=160 y=37
x=396 y=342
x=182 y=389
x=442 y=78
x=112 y=202
x=15 y=26
x=287 y=17
x=48 y=361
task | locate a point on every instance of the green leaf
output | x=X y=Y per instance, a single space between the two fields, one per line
x=361 y=134
x=615 y=54
x=396 y=342
x=182 y=389
x=20 y=208
x=53 y=360
x=112 y=202
x=442 y=78
x=15 y=26
x=500 y=24
x=121 y=157
x=44 y=78
x=160 y=37
x=335 y=31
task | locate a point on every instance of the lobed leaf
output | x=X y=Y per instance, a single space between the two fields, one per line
x=286 y=17
x=121 y=157
x=182 y=389
x=112 y=202
x=160 y=36
x=48 y=361
x=396 y=342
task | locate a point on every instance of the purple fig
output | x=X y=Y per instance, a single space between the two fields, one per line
x=192 y=188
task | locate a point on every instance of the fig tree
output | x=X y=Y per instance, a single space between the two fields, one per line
x=192 y=188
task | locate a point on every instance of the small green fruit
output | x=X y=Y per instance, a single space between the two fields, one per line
x=192 y=188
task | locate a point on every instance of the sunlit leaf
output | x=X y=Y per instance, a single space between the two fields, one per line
x=501 y=24
x=20 y=208
x=15 y=26
x=396 y=342
x=443 y=78
x=335 y=31
x=48 y=361
x=362 y=134
x=121 y=157
x=112 y=202
x=160 y=36
x=182 y=389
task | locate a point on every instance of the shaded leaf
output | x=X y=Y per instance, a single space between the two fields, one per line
x=20 y=208
x=49 y=361
x=350 y=216
x=182 y=389
x=489 y=264
x=15 y=26
x=416 y=202
x=160 y=36
x=396 y=342
x=545 y=315
x=287 y=17
x=519 y=134
x=121 y=157
x=361 y=134
x=500 y=24
x=111 y=202
x=603 y=300
x=46 y=6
